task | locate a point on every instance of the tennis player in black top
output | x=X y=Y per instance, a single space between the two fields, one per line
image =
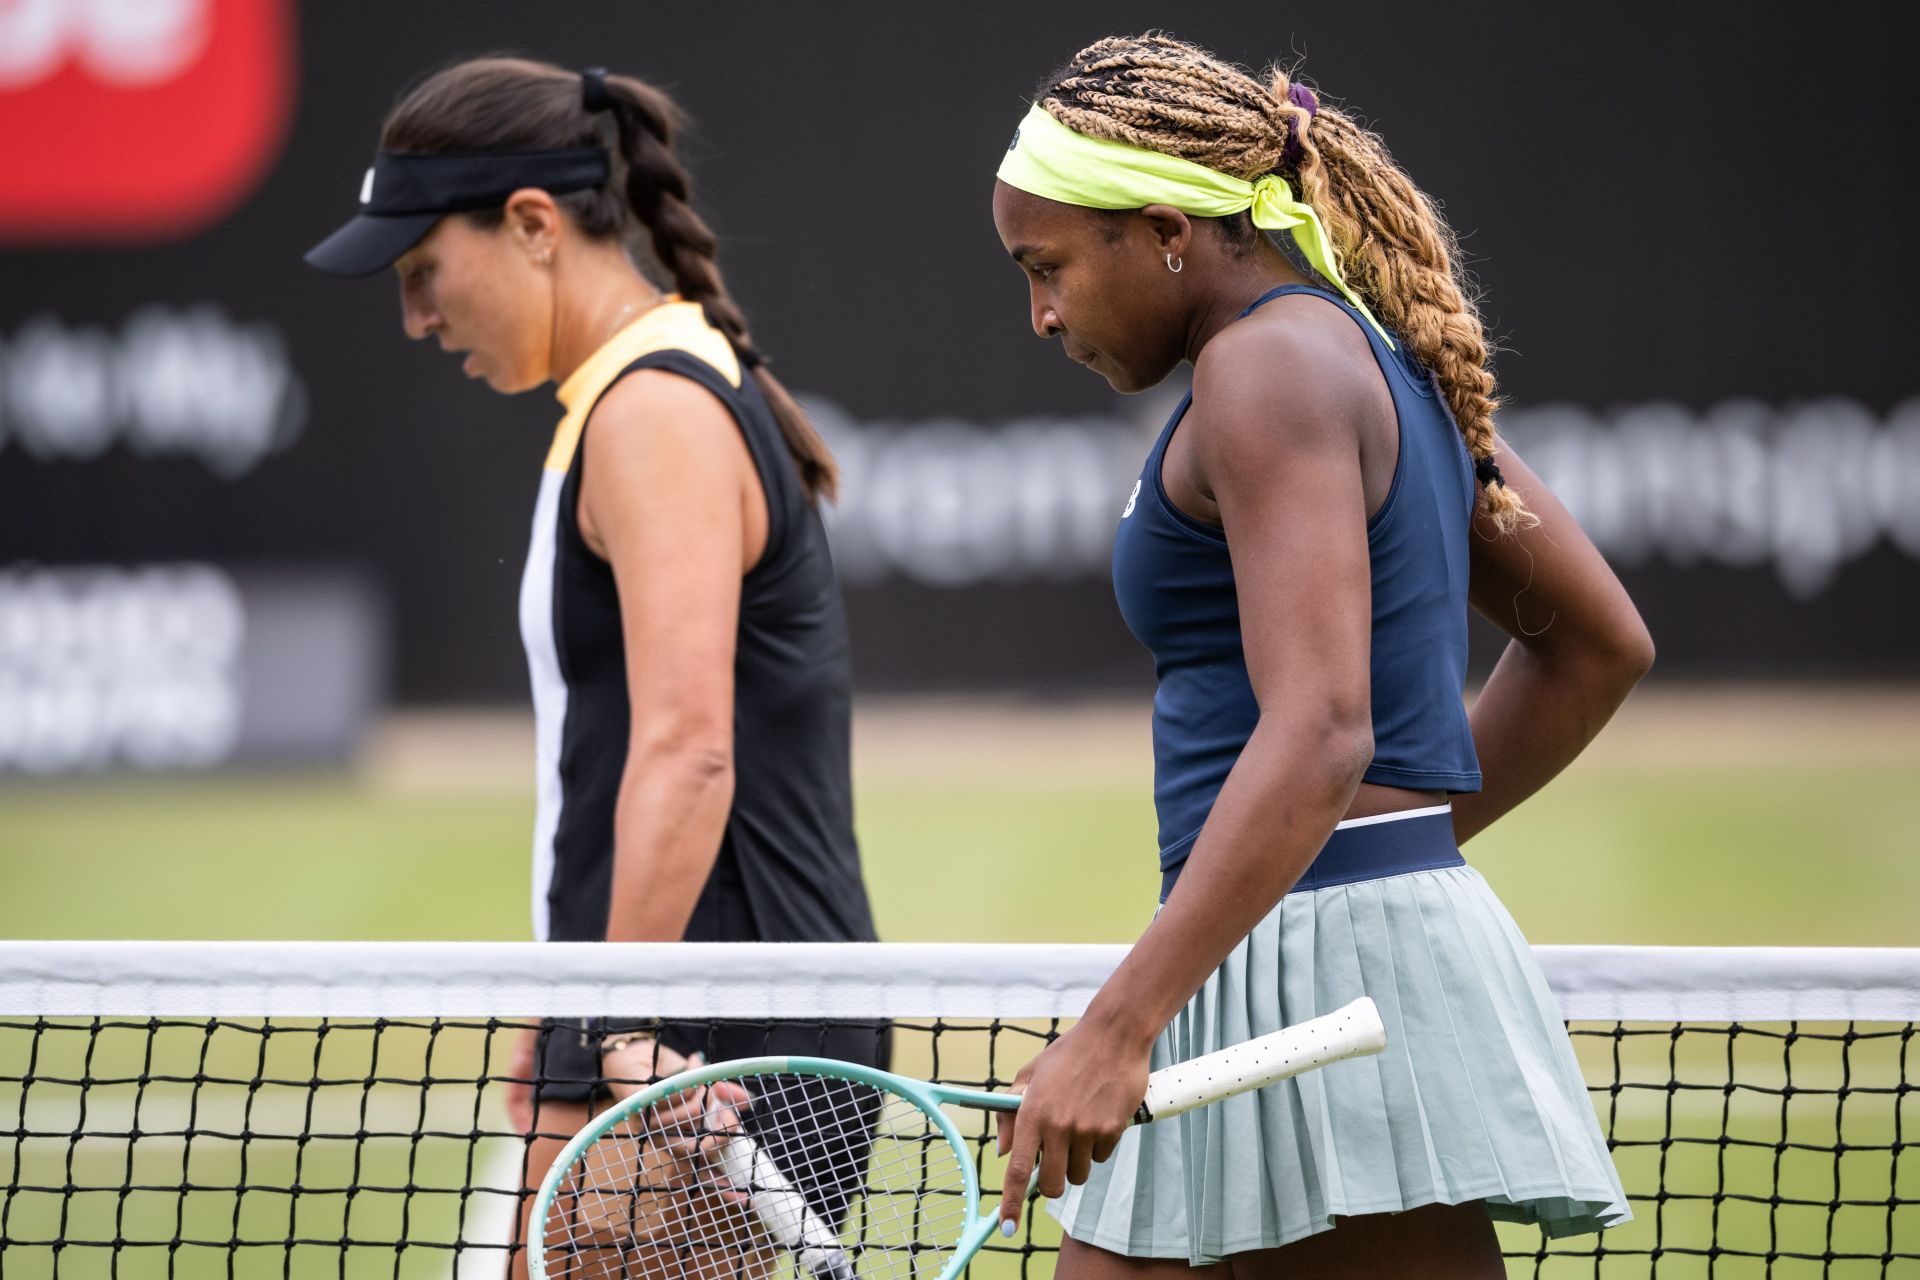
x=683 y=626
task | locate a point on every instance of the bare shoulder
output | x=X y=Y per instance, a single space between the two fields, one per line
x=657 y=433
x=653 y=410
x=1297 y=372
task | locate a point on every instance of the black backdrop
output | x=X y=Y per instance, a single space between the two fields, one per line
x=1674 y=205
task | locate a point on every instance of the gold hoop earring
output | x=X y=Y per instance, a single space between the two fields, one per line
x=1175 y=266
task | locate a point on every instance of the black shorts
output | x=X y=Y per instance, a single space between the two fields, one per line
x=566 y=1061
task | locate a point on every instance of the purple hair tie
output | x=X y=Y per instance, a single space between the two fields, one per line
x=1302 y=97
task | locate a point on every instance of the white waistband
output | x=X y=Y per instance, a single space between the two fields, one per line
x=1401 y=816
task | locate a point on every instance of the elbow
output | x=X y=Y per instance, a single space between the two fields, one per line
x=1356 y=744
x=1628 y=655
x=706 y=764
x=1343 y=740
x=694 y=752
x=1641 y=659
x=1610 y=655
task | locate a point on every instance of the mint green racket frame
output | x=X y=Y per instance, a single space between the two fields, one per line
x=1352 y=1031
x=929 y=1098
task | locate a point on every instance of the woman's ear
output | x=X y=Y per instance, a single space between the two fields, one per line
x=1172 y=230
x=533 y=220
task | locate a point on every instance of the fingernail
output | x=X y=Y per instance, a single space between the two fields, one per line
x=1008 y=1226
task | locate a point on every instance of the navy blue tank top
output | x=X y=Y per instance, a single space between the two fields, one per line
x=1174 y=582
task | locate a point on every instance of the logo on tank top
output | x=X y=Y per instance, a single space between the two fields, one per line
x=1131 y=499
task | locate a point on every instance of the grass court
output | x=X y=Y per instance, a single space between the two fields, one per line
x=1736 y=818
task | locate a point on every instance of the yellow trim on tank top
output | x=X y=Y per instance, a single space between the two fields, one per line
x=673 y=325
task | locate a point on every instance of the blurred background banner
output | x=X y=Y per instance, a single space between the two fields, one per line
x=1693 y=245
x=138 y=120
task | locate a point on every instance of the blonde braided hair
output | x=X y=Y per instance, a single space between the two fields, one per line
x=1165 y=95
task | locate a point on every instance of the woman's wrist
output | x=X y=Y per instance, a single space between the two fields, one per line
x=1116 y=1020
x=615 y=1043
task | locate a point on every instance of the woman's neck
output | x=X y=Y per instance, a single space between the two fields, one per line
x=590 y=306
x=1238 y=285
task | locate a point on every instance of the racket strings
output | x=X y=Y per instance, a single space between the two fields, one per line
x=812 y=1178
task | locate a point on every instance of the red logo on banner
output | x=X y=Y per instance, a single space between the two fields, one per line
x=137 y=120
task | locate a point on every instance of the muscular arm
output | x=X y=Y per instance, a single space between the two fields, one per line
x=667 y=480
x=1281 y=456
x=1577 y=647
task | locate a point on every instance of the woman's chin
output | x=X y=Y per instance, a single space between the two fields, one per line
x=1129 y=382
x=509 y=384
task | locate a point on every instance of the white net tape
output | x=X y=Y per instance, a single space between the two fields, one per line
x=845 y=980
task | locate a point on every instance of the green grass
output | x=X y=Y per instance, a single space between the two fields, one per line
x=1814 y=856
x=1715 y=854
x=261 y=857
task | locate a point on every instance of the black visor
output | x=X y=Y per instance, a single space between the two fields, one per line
x=405 y=193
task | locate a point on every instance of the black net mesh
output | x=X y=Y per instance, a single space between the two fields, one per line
x=172 y=1147
x=1766 y=1149
x=181 y=1147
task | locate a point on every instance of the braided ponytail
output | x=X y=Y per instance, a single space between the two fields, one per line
x=1401 y=255
x=659 y=191
x=1395 y=250
x=505 y=104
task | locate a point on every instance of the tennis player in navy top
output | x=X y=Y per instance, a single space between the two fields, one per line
x=1299 y=555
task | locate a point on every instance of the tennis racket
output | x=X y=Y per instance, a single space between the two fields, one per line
x=826 y=1170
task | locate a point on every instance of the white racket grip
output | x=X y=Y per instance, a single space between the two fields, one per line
x=782 y=1209
x=1352 y=1031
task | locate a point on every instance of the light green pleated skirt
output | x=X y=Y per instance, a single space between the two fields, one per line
x=1477 y=1096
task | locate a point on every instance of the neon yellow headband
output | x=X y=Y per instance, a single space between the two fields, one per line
x=1050 y=160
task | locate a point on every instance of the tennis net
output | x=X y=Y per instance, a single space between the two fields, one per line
x=336 y=1109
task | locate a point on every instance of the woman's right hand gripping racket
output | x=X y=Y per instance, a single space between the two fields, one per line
x=829 y=1170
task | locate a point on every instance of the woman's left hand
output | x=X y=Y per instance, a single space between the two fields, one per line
x=1077 y=1097
x=638 y=1062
